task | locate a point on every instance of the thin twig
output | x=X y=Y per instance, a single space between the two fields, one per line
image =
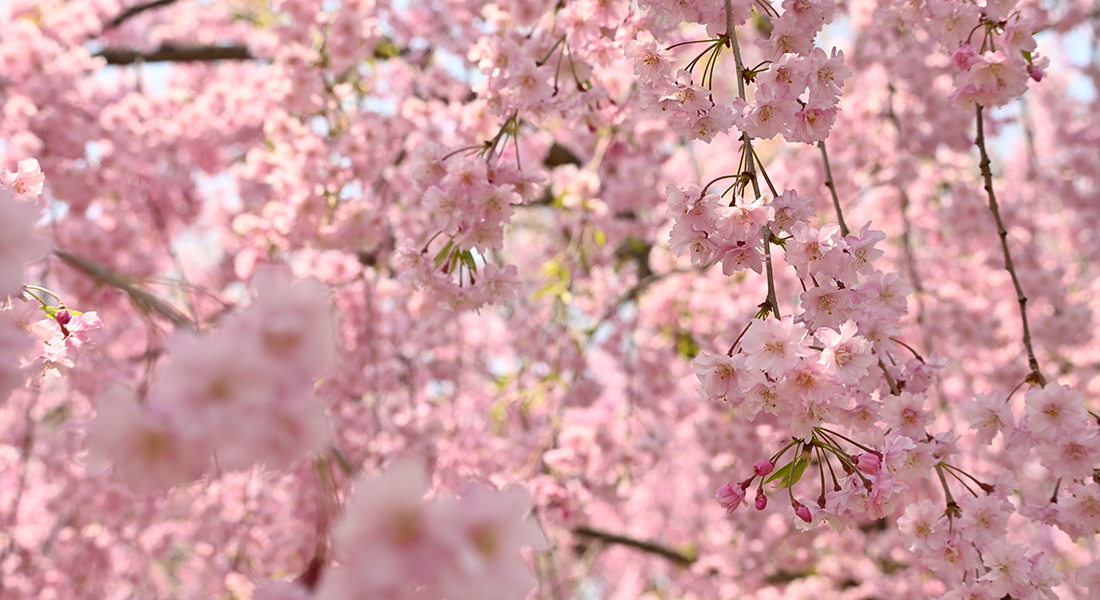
x=907 y=240
x=651 y=547
x=889 y=380
x=829 y=183
x=750 y=164
x=134 y=11
x=140 y=298
x=987 y=176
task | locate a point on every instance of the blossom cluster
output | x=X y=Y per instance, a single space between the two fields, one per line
x=797 y=85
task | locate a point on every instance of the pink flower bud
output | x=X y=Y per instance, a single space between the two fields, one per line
x=802 y=511
x=761 y=500
x=869 y=463
x=1035 y=73
x=730 y=496
x=763 y=467
x=63 y=316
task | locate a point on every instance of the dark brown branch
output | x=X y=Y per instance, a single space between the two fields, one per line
x=614 y=538
x=559 y=155
x=168 y=53
x=384 y=50
x=141 y=299
x=134 y=11
x=829 y=183
x=987 y=176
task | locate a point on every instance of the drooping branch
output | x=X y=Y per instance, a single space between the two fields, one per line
x=653 y=548
x=750 y=164
x=141 y=299
x=829 y=183
x=987 y=176
x=134 y=11
x=170 y=53
x=908 y=233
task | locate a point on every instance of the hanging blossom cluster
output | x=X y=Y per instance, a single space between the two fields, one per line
x=469 y=203
x=832 y=367
x=797 y=85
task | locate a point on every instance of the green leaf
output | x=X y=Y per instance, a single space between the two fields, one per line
x=797 y=471
x=467 y=258
x=442 y=256
x=780 y=472
x=790 y=473
x=600 y=237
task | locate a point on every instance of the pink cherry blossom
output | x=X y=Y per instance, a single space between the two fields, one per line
x=846 y=355
x=775 y=346
x=730 y=496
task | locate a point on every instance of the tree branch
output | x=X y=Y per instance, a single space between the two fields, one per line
x=829 y=183
x=169 y=53
x=141 y=299
x=614 y=538
x=987 y=176
x=134 y=11
x=750 y=164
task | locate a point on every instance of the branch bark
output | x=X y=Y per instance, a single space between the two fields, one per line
x=144 y=301
x=614 y=538
x=987 y=177
x=134 y=11
x=169 y=53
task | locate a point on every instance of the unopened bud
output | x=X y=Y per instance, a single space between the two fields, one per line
x=763 y=467
x=1035 y=73
x=761 y=500
x=802 y=511
x=63 y=316
x=869 y=463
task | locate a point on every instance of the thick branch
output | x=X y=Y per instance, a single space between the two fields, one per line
x=168 y=53
x=614 y=538
x=987 y=176
x=134 y=11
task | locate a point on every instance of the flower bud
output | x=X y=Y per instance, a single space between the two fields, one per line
x=802 y=511
x=63 y=316
x=1035 y=73
x=761 y=499
x=763 y=467
x=869 y=463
